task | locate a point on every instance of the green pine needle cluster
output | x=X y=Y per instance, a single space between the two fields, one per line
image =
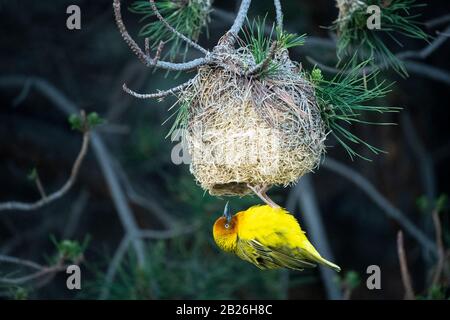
x=396 y=20
x=345 y=98
x=259 y=43
x=188 y=17
x=181 y=117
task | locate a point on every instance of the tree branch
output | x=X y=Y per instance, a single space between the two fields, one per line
x=41 y=271
x=406 y=278
x=145 y=59
x=262 y=66
x=159 y=94
x=441 y=250
x=174 y=31
x=146 y=202
x=381 y=201
x=104 y=159
x=24 y=206
x=305 y=196
x=279 y=13
x=428 y=50
x=240 y=18
x=123 y=246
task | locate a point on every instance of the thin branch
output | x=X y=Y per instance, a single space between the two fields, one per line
x=279 y=13
x=101 y=152
x=41 y=272
x=438 y=21
x=304 y=194
x=123 y=246
x=412 y=66
x=389 y=209
x=40 y=186
x=406 y=278
x=441 y=250
x=425 y=163
x=23 y=262
x=168 y=234
x=429 y=49
x=159 y=50
x=174 y=31
x=144 y=58
x=146 y=202
x=159 y=94
x=24 y=206
x=428 y=71
x=240 y=18
x=262 y=66
x=113 y=266
x=76 y=211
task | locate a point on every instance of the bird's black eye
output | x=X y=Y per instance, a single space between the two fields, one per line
x=227 y=225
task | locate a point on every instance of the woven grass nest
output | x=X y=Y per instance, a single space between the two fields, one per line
x=258 y=130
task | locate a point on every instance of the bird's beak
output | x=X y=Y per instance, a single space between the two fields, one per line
x=226 y=213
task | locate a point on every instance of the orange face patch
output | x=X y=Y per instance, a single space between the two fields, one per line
x=220 y=227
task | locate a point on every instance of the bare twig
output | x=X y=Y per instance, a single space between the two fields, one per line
x=413 y=67
x=279 y=13
x=240 y=18
x=159 y=50
x=146 y=202
x=425 y=164
x=42 y=271
x=23 y=262
x=113 y=266
x=441 y=249
x=174 y=31
x=438 y=21
x=428 y=50
x=169 y=234
x=40 y=187
x=381 y=201
x=406 y=278
x=75 y=214
x=262 y=66
x=347 y=292
x=123 y=246
x=428 y=71
x=104 y=159
x=23 y=206
x=145 y=59
x=160 y=94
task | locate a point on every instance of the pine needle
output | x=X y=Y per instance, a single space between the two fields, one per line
x=346 y=98
x=353 y=34
x=188 y=17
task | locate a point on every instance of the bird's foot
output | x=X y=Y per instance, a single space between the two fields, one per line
x=260 y=191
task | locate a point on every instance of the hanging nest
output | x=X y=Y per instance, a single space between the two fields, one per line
x=258 y=130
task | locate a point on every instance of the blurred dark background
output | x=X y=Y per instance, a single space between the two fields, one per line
x=89 y=67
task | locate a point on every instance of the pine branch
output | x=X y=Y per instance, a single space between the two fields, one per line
x=160 y=94
x=145 y=59
x=174 y=31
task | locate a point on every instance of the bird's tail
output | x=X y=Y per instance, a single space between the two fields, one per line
x=328 y=263
x=316 y=257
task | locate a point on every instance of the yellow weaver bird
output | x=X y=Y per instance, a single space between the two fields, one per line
x=268 y=237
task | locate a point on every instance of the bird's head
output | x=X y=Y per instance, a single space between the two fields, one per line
x=225 y=231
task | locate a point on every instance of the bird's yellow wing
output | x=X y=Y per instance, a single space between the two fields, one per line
x=265 y=257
